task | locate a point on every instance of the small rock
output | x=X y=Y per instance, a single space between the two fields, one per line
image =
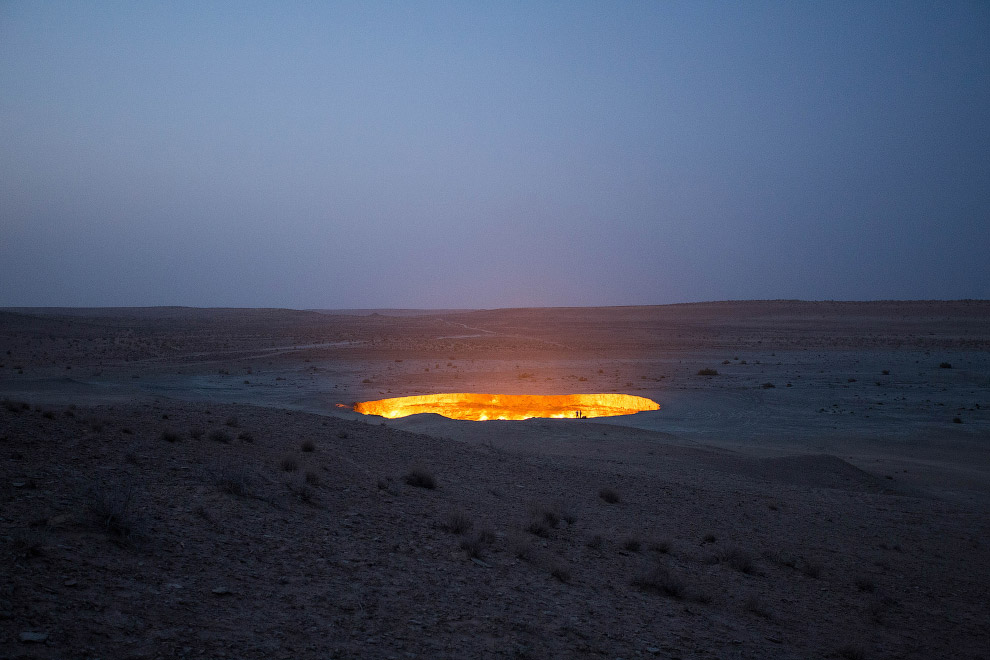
x=37 y=637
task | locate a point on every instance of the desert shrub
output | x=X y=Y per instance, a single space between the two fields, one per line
x=168 y=435
x=865 y=583
x=312 y=478
x=520 y=547
x=852 y=652
x=560 y=573
x=48 y=414
x=708 y=538
x=196 y=433
x=957 y=420
x=308 y=445
x=475 y=543
x=538 y=527
x=631 y=544
x=757 y=606
x=707 y=372
x=342 y=435
x=245 y=436
x=96 y=424
x=219 y=435
x=886 y=372
x=595 y=542
x=609 y=495
x=421 y=478
x=659 y=579
x=289 y=464
x=458 y=522
x=111 y=509
x=232 y=422
x=812 y=569
x=662 y=546
x=127 y=431
x=737 y=558
x=12 y=406
x=28 y=544
x=945 y=365
x=768 y=386
x=231 y=478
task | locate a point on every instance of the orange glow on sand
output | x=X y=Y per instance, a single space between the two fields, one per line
x=481 y=407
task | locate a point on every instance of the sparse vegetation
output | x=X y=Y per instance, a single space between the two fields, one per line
x=231 y=478
x=768 y=386
x=458 y=522
x=662 y=546
x=865 y=583
x=945 y=365
x=631 y=544
x=659 y=579
x=111 y=509
x=219 y=435
x=756 y=605
x=289 y=464
x=245 y=436
x=168 y=435
x=196 y=432
x=852 y=652
x=738 y=559
x=708 y=372
x=312 y=478
x=308 y=446
x=610 y=495
x=560 y=572
x=420 y=477
x=812 y=569
x=232 y=422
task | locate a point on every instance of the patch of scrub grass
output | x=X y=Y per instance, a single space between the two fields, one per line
x=420 y=477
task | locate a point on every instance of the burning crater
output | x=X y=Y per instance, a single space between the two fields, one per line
x=480 y=407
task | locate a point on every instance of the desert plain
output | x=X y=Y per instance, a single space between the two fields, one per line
x=193 y=483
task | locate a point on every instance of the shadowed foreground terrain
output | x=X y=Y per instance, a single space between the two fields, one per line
x=181 y=483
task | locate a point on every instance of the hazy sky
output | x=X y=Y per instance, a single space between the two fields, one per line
x=492 y=154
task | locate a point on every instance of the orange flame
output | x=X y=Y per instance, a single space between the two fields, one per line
x=480 y=407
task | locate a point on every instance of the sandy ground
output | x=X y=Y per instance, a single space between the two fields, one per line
x=825 y=495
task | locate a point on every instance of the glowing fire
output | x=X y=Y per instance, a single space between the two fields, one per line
x=480 y=407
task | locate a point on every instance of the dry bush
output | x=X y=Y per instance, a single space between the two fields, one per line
x=168 y=435
x=757 y=606
x=737 y=558
x=458 y=522
x=289 y=464
x=312 y=478
x=520 y=546
x=111 y=509
x=245 y=436
x=475 y=543
x=662 y=546
x=707 y=372
x=865 y=583
x=609 y=495
x=811 y=568
x=196 y=432
x=595 y=542
x=232 y=422
x=852 y=652
x=219 y=435
x=631 y=544
x=421 y=478
x=231 y=478
x=308 y=445
x=659 y=579
x=560 y=572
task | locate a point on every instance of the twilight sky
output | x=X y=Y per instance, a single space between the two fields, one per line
x=492 y=154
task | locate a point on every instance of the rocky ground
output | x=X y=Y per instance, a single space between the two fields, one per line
x=157 y=527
